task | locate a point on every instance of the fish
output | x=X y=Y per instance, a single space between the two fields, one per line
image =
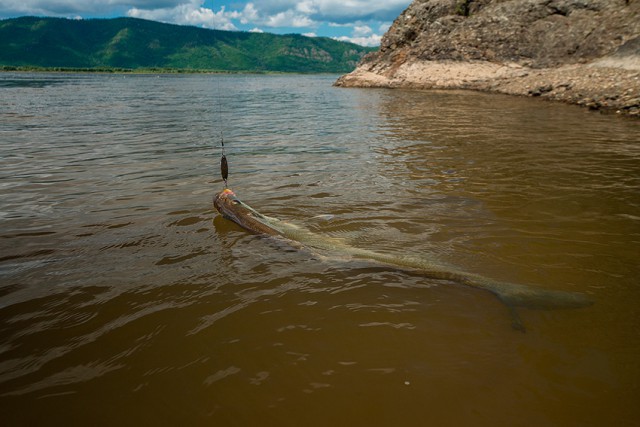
x=512 y=295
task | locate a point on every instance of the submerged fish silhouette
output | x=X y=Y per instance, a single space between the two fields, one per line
x=511 y=294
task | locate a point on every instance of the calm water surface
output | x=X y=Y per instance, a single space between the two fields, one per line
x=125 y=300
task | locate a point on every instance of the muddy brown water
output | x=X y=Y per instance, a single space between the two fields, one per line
x=126 y=300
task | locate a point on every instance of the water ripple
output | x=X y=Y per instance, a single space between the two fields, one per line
x=119 y=280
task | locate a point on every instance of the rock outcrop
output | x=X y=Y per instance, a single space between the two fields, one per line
x=585 y=52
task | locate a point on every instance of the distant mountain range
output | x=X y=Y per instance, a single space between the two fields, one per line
x=129 y=43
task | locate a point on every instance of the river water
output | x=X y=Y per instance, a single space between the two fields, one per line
x=126 y=300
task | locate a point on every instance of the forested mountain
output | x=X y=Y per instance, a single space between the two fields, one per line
x=135 y=43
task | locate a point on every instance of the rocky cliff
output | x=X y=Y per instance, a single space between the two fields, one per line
x=579 y=51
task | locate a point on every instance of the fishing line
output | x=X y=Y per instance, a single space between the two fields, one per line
x=224 y=165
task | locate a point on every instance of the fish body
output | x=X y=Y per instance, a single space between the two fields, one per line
x=511 y=294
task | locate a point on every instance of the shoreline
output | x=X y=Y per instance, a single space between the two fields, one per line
x=609 y=85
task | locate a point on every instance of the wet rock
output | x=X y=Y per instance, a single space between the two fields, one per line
x=540 y=90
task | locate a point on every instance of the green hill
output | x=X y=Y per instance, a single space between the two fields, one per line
x=136 y=43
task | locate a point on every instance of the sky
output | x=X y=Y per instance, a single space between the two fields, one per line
x=358 y=21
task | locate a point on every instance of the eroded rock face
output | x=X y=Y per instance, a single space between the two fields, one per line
x=535 y=33
x=490 y=44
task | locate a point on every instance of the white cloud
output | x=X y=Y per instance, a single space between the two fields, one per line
x=289 y=18
x=362 y=30
x=189 y=14
x=363 y=34
x=362 y=9
x=310 y=13
x=256 y=30
x=249 y=14
x=310 y=35
x=74 y=7
x=339 y=11
x=372 y=40
x=307 y=7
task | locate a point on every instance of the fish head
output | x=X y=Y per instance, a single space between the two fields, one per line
x=227 y=203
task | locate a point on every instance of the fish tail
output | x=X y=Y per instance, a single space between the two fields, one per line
x=514 y=295
x=517 y=295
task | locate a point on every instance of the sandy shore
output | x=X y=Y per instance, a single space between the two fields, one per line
x=609 y=84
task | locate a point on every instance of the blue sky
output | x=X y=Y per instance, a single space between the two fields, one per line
x=358 y=21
